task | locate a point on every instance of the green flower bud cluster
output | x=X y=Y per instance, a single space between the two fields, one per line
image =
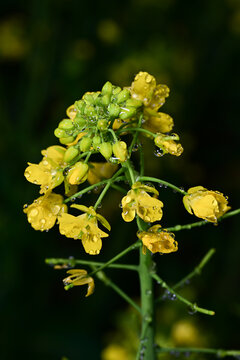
x=92 y=119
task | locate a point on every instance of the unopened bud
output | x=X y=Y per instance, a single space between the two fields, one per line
x=102 y=124
x=134 y=103
x=105 y=100
x=106 y=150
x=88 y=98
x=113 y=110
x=123 y=96
x=66 y=124
x=89 y=110
x=80 y=121
x=120 y=150
x=96 y=142
x=78 y=173
x=80 y=105
x=85 y=143
x=59 y=133
x=127 y=113
x=70 y=154
x=66 y=140
x=116 y=90
x=107 y=88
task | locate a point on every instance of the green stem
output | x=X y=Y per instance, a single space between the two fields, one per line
x=148 y=178
x=135 y=136
x=130 y=171
x=196 y=271
x=74 y=262
x=118 y=256
x=203 y=222
x=108 y=282
x=218 y=352
x=146 y=349
x=87 y=157
x=138 y=129
x=141 y=162
x=113 y=134
x=119 y=188
x=91 y=187
x=101 y=196
x=193 y=306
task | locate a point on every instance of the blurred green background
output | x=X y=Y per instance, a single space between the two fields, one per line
x=51 y=52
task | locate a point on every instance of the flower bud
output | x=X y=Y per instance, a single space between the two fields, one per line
x=102 y=124
x=116 y=90
x=113 y=110
x=80 y=121
x=105 y=100
x=107 y=88
x=70 y=154
x=66 y=124
x=80 y=105
x=120 y=150
x=96 y=142
x=59 y=133
x=89 y=110
x=88 y=98
x=71 y=111
x=133 y=102
x=106 y=150
x=66 y=140
x=78 y=173
x=85 y=143
x=127 y=113
x=123 y=96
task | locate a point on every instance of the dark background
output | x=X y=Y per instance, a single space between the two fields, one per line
x=51 y=52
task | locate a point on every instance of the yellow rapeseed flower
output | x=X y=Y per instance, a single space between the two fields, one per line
x=43 y=212
x=145 y=88
x=84 y=227
x=49 y=172
x=78 y=173
x=157 y=121
x=139 y=201
x=79 y=277
x=205 y=204
x=115 y=352
x=157 y=239
x=168 y=145
x=100 y=171
x=119 y=149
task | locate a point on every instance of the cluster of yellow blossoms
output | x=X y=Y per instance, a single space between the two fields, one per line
x=95 y=126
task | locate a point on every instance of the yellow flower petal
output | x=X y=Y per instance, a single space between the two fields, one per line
x=157 y=121
x=84 y=227
x=43 y=212
x=205 y=204
x=100 y=171
x=158 y=240
x=80 y=277
x=139 y=201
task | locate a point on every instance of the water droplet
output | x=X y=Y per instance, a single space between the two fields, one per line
x=99 y=206
x=25 y=206
x=149 y=292
x=158 y=153
x=120 y=205
x=43 y=221
x=173 y=297
x=191 y=311
x=33 y=212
